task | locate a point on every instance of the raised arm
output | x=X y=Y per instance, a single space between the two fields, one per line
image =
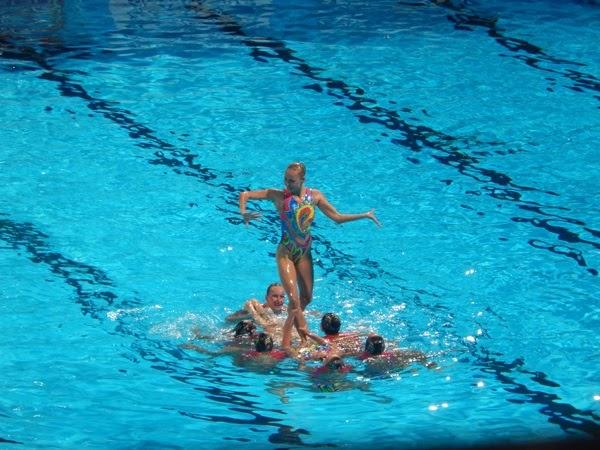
x=329 y=210
x=259 y=314
x=262 y=194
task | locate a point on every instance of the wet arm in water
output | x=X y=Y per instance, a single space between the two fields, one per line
x=198 y=349
x=242 y=314
x=419 y=357
x=405 y=357
x=227 y=350
x=197 y=335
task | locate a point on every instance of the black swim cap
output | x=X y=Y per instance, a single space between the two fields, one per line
x=244 y=327
x=374 y=345
x=330 y=323
x=264 y=343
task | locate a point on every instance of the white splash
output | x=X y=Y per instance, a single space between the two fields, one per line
x=116 y=314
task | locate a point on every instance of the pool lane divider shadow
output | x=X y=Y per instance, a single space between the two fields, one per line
x=123 y=118
x=416 y=138
x=9 y=441
x=566 y=416
x=95 y=293
x=534 y=56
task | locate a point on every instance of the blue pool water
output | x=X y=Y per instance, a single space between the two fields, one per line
x=128 y=130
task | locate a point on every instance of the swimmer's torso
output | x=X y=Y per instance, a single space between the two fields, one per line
x=297 y=215
x=276 y=318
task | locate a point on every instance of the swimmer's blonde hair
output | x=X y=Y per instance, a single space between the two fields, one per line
x=298 y=166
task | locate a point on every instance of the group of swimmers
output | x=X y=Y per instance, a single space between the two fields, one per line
x=264 y=349
x=296 y=204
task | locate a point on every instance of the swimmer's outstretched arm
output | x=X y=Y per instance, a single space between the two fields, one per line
x=318 y=339
x=329 y=210
x=223 y=351
x=410 y=356
x=242 y=314
x=197 y=335
x=262 y=194
x=194 y=347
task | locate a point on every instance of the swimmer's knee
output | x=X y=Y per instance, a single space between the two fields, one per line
x=294 y=306
x=305 y=301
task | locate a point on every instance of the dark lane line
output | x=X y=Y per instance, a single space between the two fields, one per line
x=416 y=138
x=9 y=441
x=179 y=160
x=532 y=55
x=566 y=416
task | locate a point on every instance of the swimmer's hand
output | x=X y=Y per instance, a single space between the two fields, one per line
x=248 y=216
x=371 y=215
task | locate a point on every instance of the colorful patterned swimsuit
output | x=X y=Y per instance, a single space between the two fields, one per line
x=296 y=219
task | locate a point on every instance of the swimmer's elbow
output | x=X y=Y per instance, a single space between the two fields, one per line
x=337 y=218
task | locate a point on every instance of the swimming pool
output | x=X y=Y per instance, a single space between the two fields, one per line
x=129 y=128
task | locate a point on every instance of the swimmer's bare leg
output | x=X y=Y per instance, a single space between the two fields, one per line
x=288 y=276
x=305 y=271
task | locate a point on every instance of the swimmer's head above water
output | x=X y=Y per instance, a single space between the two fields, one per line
x=374 y=345
x=263 y=343
x=275 y=297
x=334 y=363
x=293 y=179
x=244 y=328
x=330 y=324
x=331 y=365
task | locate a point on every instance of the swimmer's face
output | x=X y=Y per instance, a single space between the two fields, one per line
x=276 y=298
x=293 y=180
